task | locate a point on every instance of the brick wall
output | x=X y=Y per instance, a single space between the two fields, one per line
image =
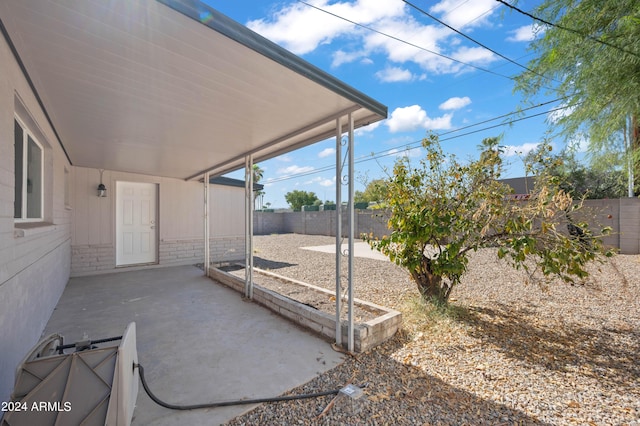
x=318 y=223
x=629 y=220
x=622 y=215
x=92 y=259
x=89 y=259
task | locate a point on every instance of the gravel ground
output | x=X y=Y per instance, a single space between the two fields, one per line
x=513 y=353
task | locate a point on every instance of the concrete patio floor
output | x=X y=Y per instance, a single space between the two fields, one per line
x=197 y=340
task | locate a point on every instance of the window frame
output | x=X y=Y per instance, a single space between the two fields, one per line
x=27 y=134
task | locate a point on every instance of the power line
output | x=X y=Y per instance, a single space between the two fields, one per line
x=447 y=13
x=405 y=41
x=562 y=27
x=410 y=145
x=503 y=116
x=424 y=12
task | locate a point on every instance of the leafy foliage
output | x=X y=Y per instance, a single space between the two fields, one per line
x=443 y=209
x=604 y=178
x=600 y=83
x=297 y=199
x=375 y=192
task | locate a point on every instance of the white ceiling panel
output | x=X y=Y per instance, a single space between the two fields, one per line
x=171 y=87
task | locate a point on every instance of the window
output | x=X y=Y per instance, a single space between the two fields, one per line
x=28 y=175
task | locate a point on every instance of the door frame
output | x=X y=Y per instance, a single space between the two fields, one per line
x=156 y=251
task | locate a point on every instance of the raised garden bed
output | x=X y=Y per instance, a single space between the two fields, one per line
x=313 y=307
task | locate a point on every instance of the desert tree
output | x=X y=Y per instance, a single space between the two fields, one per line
x=442 y=209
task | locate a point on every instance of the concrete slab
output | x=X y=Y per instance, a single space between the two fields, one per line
x=360 y=249
x=197 y=340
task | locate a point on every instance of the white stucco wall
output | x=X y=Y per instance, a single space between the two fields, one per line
x=180 y=221
x=34 y=263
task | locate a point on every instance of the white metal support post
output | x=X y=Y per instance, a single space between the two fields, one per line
x=351 y=231
x=207 y=253
x=248 y=228
x=338 y=231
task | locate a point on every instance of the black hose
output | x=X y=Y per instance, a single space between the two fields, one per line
x=88 y=343
x=225 y=403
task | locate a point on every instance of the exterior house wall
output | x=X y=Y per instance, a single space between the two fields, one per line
x=34 y=258
x=180 y=221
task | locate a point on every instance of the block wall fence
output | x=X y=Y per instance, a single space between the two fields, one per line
x=622 y=215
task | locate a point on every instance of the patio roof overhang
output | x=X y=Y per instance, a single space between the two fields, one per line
x=171 y=87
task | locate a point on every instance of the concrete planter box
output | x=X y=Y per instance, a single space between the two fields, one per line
x=366 y=335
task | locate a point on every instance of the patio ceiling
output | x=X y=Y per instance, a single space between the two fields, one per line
x=171 y=87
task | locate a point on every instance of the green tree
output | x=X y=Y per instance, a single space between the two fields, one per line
x=297 y=199
x=358 y=197
x=376 y=191
x=603 y=178
x=258 y=173
x=258 y=194
x=590 y=57
x=443 y=209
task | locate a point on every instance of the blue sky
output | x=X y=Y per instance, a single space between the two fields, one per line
x=423 y=91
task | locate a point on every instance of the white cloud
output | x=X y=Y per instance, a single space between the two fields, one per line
x=526 y=33
x=291 y=170
x=394 y=74
x=455 y=103
x=302 y=29
x=519 y=150
x=285 y=158
x=321 y=181
x=327 y=182
x=341 y=57
x=326 y=152
x=368 y=128
x=408 y=152
x=555 y=116
x=460 y=14
x=475 y=55
x=413 y=117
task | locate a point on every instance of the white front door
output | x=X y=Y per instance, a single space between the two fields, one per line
x=136 y=229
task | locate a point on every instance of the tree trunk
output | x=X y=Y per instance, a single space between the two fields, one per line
x=431 y=287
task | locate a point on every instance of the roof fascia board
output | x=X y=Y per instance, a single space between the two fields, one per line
x=279 y=140
x=227 y=181
x=237 y=163
x=226 y=26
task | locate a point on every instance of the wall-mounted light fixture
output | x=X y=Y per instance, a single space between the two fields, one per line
x=102 y=190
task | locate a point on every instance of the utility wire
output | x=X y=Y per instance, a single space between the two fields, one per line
x=410 y=145
x=424 y=12
x=405 y=41
x=503 y=116
x=571 y=30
